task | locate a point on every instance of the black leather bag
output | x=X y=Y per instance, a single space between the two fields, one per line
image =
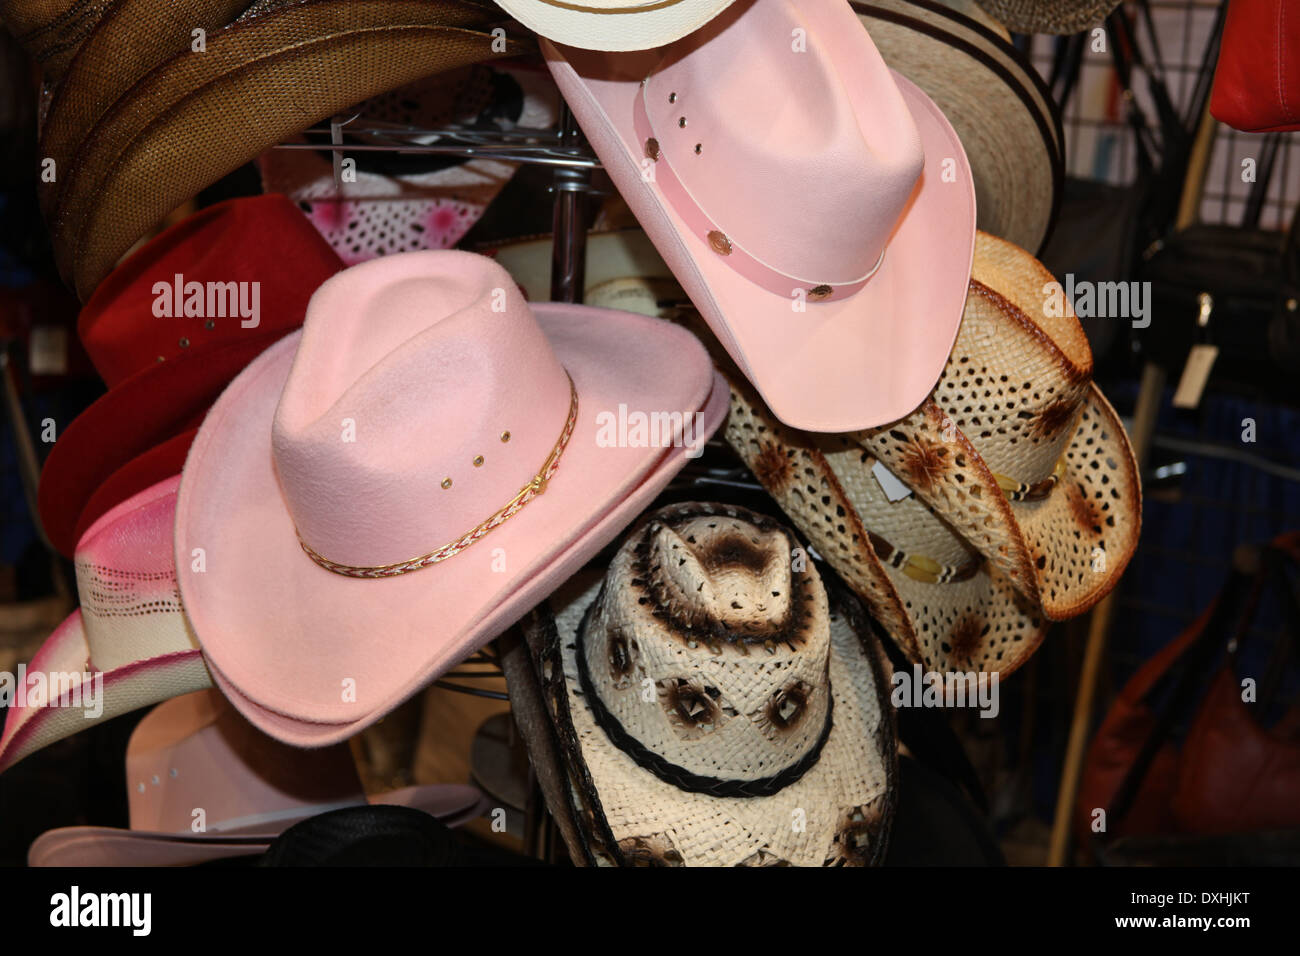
x=1232 y=287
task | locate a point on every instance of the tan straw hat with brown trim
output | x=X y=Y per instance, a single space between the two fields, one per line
x=1017 y=449
x=1050 y=16
x=711 y=702
x=185 y=119
x=941 y=603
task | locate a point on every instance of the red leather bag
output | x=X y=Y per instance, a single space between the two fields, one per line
x=1257 y=83
x=1229 y=774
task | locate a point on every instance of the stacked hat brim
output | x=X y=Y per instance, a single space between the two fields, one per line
x=165 y=368
x=256 y=787
x=129 y=645
x=390 y=635
x=614 y=811
x=868 y=357
x=1020 y=380
x=52 y=30
x=973 y=619
x=172 y=120
x=995 y=100
x=1050 y=16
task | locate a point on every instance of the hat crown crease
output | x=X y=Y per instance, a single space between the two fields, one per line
x=738 y=711
x=410 y=370
x=785 y=145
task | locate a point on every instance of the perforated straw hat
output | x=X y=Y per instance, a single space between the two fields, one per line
x=935 y=596
x=712 y=703
x=995 y=100
x=127 y=646
x=1017 y=449
x=1050 y=16
x=202 y=784
x=405 y=202
x=614 y=24
x=136 y=134
x=817 y=208
x=391 y=488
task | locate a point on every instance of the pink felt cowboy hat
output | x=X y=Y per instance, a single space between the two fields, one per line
x=127 y=646
x=379 y=495
x=817 y=208
x=202 y=784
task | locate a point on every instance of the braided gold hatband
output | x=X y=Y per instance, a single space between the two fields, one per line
x=536 y=486
x=1019 y=491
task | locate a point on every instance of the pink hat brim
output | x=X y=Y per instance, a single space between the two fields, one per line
x=281 y=634
x=126 y=688
x=844 y=364
x=452 y=804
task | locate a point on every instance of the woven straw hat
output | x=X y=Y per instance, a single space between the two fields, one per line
x=710 y=703
x=1050 y=16
x=130 y=636
x=1017 y=449
x=994 y=99
x=135 y=135
x=973 y=11
x=943 y=606
x=51 y=31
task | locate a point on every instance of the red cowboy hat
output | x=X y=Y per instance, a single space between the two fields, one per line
x=168 y=330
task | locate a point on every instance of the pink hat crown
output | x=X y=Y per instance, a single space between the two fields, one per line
x=821 y=143
x=424 y=398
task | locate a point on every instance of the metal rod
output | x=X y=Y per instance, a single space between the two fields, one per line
x=569 y=246
x=1058 y=854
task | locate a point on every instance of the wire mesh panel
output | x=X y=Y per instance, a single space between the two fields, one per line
x=1099 y=144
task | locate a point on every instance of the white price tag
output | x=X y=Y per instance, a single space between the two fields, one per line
x=48 y=350
x=894 y=489
x=1196 y=374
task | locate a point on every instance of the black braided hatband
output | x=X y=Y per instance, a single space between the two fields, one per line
x=680 y=777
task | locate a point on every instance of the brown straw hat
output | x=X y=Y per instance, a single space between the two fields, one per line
x=995 y=100
x=709 y=703
x=187 y=118
x=52 y=30
x=1017 y=449
x=939 y=601
x=1050 y=16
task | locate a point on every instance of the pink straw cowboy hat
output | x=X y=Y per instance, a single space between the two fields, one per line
x=817 y=208
x=202 y=784
x=381 y=494
x=127 y=646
